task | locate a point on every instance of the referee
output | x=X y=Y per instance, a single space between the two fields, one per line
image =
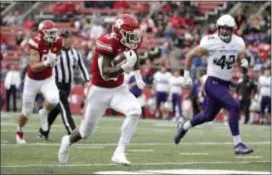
x=70 y=60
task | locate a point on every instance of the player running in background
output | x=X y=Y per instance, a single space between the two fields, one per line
x=176 y=82
x=265 y=92
x=136 y=88
x=43 y=55
x=108 y=90
x=222 y=50
x=161 y=84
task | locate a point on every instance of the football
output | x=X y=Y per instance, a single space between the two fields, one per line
x=119 y=60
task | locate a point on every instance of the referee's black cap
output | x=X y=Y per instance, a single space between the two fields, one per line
x=65 y=33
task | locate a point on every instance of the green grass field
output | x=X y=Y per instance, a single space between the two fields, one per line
x=207 y=147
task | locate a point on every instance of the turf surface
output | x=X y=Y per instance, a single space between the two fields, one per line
x=205 y=147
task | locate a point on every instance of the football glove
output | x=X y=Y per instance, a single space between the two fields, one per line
x=187 y=79
x=131 y=58
x=51 y=59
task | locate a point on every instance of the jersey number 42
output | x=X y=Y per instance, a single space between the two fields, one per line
x=225 y=62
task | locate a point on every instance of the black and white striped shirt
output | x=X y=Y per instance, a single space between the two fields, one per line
x=69 y=60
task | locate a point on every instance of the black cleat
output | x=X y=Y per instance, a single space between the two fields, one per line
x=43 y=135
x=180 y=133
x=242 y=149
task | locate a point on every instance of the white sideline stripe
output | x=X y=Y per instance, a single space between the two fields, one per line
x=4 y=141
x=218 y=126
x=140 y=150
x=122 y=172
x=183 y=171
x=14 y=124
x=23 y=130
x=152 y=121
x=195 y=154
x=98 y=130
x=138 y=144
x=249 y=157
x=136 y=164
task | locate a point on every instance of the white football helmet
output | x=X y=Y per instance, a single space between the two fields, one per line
x=225 y=26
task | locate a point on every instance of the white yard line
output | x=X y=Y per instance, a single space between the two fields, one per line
x=183 y=171
x=4 y=141
x=89 y=147
x=194 y=154
x=140 y=150
x=139 y=144
x=29 y=125
x=27 y=130
x=100 y=131
x=248 y=157
x=146 y=121
x=135 y=164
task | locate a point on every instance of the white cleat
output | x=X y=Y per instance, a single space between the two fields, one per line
x=120 y=159
x=44 y=121
x=64 y=150
x=20 y=138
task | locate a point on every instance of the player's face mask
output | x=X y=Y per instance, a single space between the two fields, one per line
x=50 y=35
x=131 y=39
x=225 y=33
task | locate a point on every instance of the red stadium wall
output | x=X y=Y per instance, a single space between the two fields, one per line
x=76 y=97
x=3 y=93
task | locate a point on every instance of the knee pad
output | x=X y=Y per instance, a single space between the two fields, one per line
x=53 y=100
x=27 y=108
x=135 y=111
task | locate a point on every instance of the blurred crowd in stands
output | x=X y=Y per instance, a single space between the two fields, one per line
x=173 y=22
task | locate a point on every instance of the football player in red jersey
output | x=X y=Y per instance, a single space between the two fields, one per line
x=108 y=90
x=44 y=49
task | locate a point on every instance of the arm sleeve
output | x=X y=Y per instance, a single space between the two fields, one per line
x=32 y=44
x=103 y=46
x=82 y=68
x=242 y=45
x=204 y=42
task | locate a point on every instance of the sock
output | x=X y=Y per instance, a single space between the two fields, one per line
x=157 y=114
x=236 y=139
x=234 y=122
x=127 y=130
x=180 y=119
x=19 y=129
x=187 y=125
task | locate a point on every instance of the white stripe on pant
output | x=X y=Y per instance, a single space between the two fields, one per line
x=65 y=116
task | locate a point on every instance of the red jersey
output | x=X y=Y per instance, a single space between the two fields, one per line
x=37 y=43
x=106 y=45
